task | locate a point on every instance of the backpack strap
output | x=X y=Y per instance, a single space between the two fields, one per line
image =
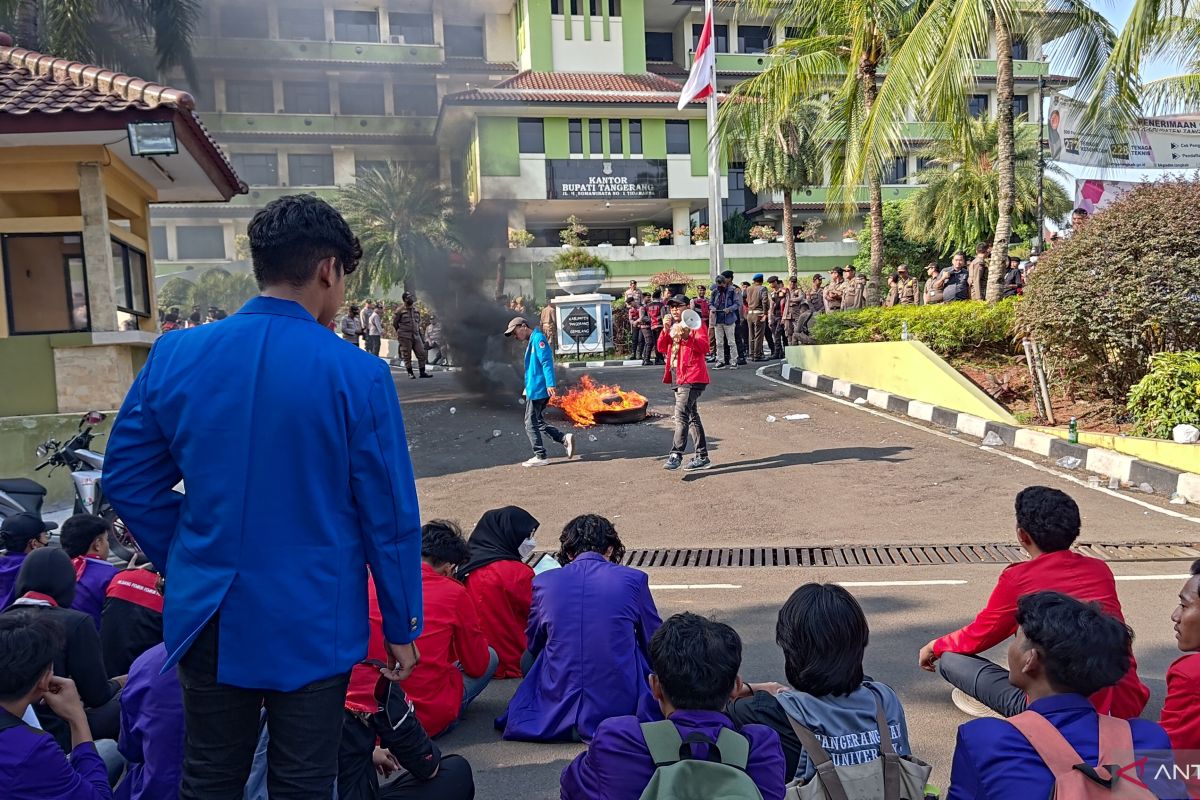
x=733 y=749
x=826 y=771
x=663 y=741
x=1057 y=753
x=887 y=750
x=1116 y=740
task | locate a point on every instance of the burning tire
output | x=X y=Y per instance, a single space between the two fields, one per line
x=621 y=416
x=591 y=403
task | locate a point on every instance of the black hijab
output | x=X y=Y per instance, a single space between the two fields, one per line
x=497 y=536
x=47 y=570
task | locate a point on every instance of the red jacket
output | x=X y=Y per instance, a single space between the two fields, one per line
x=503 y=592
x=1179 y=718
x=1081 y=577
x=691 y=367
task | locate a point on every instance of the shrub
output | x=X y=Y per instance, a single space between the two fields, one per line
x=898 y=248
x=1168 y=395
x=947 y=328
x=1122 y=288
x=578 y=258
x=763 y=232
x=575 y=234
x=519 y=237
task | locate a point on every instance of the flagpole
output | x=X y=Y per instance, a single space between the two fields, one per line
x=716 y=227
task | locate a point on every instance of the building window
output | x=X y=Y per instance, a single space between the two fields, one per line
x=595 y=137
x=199 y=242
x=305 y=97
x=257 y=169
x=249 y=97
x=556 y=7
x=356 y=26
x=362 y=99
x=575 y=135
x=924 y=163
x=1020 y=105
x=463 y=41
x=306 y=24
x=635 y=136
x=1020 y=49
x=305 y=169
x=415 y=101
x=741 y=197
x=129 y=279
x=531 y=136
x=362 y=166
x=46 y=282
x=158 y=242
x=977 y=105
x=660 y=46
x=247 y=21
x=896 y=171
x=754 y=38
x=412 y=28
x=617 y=236
x=615 y=146
x=678 y=137
x=791 y=33
x=201 y=92
x=720 y=34
x=614 y=8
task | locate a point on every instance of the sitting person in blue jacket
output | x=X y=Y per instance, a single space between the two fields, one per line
x=696 y=663
x=589 y=634
x=1064 y=652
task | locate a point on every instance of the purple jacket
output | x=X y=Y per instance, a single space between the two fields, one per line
x=151 y=729
x=10 y=565
x=91 y=586
x=617 y=764
x=589 y=628
x=33 y=767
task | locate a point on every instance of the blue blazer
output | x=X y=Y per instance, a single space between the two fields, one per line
x=292 y=447
x=539 y=366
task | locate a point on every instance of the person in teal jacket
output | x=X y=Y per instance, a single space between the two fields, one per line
x=539 y=388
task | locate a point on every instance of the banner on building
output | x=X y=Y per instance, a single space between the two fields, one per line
x=606 y=179
x=1153 y=143
x=1093 y=195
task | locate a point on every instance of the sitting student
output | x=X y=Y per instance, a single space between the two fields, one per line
x=131 y=621
x=695 y=663
x=20 y=535
x=1065 y=652
x=823 y=634
x=589 y=632
x=152 y=729
x=1179 y=718
x=46 y=588
x=456 y=662
x=1047 y=525
x=84 y=537
x=32 y=766
x=500 y=582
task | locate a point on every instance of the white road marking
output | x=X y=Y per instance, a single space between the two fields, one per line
x=1183 y=577
x=851 y=584
x=694 y=586
x=962 y=441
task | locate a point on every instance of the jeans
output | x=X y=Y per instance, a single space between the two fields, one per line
x=726 y=337
x=985 y=681
x=535 y=426
x=687 y=418
x=473 y=687
x=223 y=730
x=372 y=346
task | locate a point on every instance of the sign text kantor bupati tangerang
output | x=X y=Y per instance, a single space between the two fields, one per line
x=606 y=179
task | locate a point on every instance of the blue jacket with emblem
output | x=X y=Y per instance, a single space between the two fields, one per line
x=539 y=367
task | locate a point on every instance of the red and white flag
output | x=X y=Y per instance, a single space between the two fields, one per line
x=700 y=81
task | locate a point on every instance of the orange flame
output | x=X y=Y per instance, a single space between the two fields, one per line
x=581 y=403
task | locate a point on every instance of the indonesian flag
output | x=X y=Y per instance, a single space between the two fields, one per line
x=700 y=81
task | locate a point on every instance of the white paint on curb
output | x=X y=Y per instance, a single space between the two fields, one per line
x=1152 y=577
x=972 y=425
x=663 y=586
x=1034 y=441
x=920 y=410
x=878 y=398
x=810 y=379
x=841 y=388
x=786 y=371
x=947 y=582
x=1109 y=462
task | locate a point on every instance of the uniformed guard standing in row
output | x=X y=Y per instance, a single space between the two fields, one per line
x=408 y=333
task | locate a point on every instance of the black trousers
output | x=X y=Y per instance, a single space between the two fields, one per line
x=984 y=680
x=687 y=419
x=373 y=344
x=742 y=334
x=643 y=346
x=654 y=354
x=222 y=731
x=357 y=778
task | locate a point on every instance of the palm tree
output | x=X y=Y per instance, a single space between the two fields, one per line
x=957 y=202
x=399 y=216
x=781 y=149
x=142 y=37
x=935 y=69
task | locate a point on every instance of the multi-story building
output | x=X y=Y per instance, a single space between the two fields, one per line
x=533 y=109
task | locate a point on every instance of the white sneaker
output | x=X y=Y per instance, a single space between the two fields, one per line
x=569 y=443
x=970 y=706
x=535 y=462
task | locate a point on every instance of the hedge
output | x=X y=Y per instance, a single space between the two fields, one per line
x=946 y=328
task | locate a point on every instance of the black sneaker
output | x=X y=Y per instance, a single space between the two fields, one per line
x=697 y=462
x=673 y=462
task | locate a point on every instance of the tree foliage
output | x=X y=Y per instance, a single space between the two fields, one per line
x=947 y=328
x=899 y=246
x=1122 y=288
x=215 y=287
x=1166 y=396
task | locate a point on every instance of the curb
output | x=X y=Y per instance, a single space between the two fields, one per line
x=1126 y=468
x=596 y=364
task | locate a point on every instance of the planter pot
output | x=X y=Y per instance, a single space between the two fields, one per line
x=848 y=240
x=565 y=246
x=760 y=241
x=604 y=244
x=676 y=288
x=701 y=243
x=650 y=242
x=583 y=281
x=779 y=239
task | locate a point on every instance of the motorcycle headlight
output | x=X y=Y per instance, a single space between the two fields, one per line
x=42 y=451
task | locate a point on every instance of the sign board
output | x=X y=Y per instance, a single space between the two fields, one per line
x=1092 y=195
x=607 y=179
x=1151 y=143
x=579 y=324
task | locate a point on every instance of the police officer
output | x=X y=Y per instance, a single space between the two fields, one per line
x=407 y=323
x=795 y=298
x=904 y=289
x=816 y=295
x=853 y=290
x=776 y=317
x=833 y=292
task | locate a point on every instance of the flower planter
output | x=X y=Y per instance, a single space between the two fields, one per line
x=779 y=239
x=701 y=242
x=761 y=241
x=650 y=242
x=582 y=281
x=848 y=240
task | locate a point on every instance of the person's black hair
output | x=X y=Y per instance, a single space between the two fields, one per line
x=1014 y=260
x=47 y=570
x=79 y=531
x=895 y=276
x=1083 y=650
x=28 y=644
x=1196 y=567
x=1082 y=211
x=805 y=307
x=291 y=235
x=696 y=660
x=1049 y=516
x=959 y=253
x=442 y=542
x=222 y=314
x=981 y=247
x=837 y=270
x=823 y=633
x=589 y=533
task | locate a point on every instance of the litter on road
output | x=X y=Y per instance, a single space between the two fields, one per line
x=797 y=416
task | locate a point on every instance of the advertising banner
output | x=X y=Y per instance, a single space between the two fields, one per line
x=608 y=179
x=1093 y=195
x=1153 y=143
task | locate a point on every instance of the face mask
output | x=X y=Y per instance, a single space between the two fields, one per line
x=527 y=547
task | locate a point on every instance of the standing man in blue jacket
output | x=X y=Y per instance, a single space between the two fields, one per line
x=292 y=448
x=539 y=388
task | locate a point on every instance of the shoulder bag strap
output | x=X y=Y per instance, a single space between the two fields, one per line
x=734 y=749
x=826 y=771
x=1116 y=741
x=887 y=750
x=1051 y=746
x=663 y=741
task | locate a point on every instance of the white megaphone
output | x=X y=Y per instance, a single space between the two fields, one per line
x=691 y=319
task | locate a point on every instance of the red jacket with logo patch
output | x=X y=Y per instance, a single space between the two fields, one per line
x=690 y=366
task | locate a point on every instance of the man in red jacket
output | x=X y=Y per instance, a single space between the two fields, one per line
x=1179 y=718
x=685 y=349
x=1047 y=525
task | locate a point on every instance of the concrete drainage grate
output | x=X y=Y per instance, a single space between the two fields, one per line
x=885 y=555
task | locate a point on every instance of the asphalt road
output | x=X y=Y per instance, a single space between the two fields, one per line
x=844 y=476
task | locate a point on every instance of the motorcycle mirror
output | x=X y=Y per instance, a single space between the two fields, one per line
x=94 y=417
x=42 y=451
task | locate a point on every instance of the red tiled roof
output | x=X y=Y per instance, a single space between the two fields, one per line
x=575 y=87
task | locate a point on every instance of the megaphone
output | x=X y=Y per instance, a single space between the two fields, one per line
x=691 y=319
